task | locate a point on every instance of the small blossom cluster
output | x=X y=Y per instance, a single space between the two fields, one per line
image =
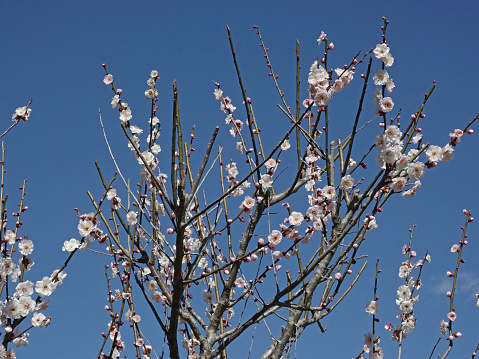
x=145 y=158
x=19 y=304
x=21 y=113
x=319 y=83
x=232 y=171
x=152 y=91
x=406 y=166
x=266 y=180
x=322 y=202
x=88 y=230
x=318 y=214
x=382 y=78
x=227 y=107
x=371 y=347
x=406 y=299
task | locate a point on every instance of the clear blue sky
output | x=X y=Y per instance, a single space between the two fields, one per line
x=52 y=52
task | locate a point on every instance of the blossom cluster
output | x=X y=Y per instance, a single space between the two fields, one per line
x=407 y=167
x=21 y=302
x=321 y=88
x=406 y=299
x=382 y=78
x=21 y=113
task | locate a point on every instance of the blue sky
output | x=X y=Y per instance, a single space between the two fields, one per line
x=52 y=53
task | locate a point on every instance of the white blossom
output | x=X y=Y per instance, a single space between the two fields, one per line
x=381 y=77
x=372 y=307
x=381 y=50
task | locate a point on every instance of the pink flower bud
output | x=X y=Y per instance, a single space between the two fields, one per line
x=260 y=242
x=337 y=276
x=355 y=246
x=413 y=116
x=449 y=274
x=458 y=334
x=470 y=131
x=448 y=293
x=170 y=230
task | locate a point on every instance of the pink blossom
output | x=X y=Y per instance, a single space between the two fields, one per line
x=452 y=316
x=455 y=248
x=108 y=79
